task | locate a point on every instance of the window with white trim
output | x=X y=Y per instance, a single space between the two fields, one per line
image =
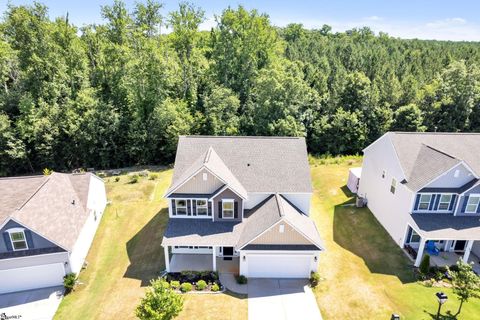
x=181 y=206
x=227 y=208
x=444 y=203
x=393 y=186
x=18 y=239
x=202 y=207
x=424 y=201
x=472 y=204
x=415 y=237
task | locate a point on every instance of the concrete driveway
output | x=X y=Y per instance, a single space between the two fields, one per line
x=38 y=304
x=281 y=299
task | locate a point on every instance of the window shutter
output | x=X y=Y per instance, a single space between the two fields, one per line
x=417 y=202
x=8 y=243
x=452 y=202
x=235 y=209
x=220 y=213
x=189 y=207
x=432 y=202
x=28 y=235
x=194 y=207
x=464 y=204
x=174 y=208
x=209 y=208
x=437 y=201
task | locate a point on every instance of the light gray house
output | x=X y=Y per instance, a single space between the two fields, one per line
x=47 y=224
x=241 y=204
x=424 y=188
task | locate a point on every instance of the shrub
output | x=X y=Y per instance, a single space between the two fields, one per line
x=215 y=287
x=314 y=279
x=69 y=281
x=201 y=285
x=241 y=279
x=175 y=284
x=425 y=264
x=186 y=287
x=133 y=178
x=152 y=176
x=160 y=302
x=117 y=179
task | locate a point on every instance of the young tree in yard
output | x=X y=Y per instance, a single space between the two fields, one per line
x=160 y=302
x=466 y=284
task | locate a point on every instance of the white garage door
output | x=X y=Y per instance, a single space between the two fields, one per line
x=47 y=275
x=278 y=266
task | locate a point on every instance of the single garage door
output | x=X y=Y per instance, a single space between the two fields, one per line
x=47 y=275
x=278 y=266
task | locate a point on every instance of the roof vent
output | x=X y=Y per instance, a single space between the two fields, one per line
x=73 y=201
x=248 y=164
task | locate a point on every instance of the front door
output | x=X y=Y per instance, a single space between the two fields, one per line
x=227 y=253
x=460 y=245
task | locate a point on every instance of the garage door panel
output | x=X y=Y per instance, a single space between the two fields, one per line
x=278 y=266
x=27 y=278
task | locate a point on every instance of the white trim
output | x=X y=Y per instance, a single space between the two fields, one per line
x=43 y=254
x=34 y=231
x=186 y=207
x=232 y=201
x=17 y=230
x=196 y=206
x=276 y=252
x=446 y=172
x=475 y=195
x=195 y=173
x=225 y=187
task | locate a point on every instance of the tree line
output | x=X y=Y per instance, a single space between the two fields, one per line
x=120 y=92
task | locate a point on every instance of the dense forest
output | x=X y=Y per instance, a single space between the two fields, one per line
x=119 y=93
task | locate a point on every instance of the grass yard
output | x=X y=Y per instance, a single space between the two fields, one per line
x=126 y=254
x=366 y=275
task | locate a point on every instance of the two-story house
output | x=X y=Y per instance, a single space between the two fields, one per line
x=47 y=224
x=242 y=202
x=424 y=189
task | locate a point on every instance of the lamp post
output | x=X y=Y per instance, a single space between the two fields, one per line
x=442 y=298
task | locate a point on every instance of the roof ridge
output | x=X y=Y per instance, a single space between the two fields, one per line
x=440 y=151
x=241 y=137
x=280 y=206
x=34 y=193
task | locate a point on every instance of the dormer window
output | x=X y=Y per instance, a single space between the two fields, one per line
x=18 y=239
x=444 y=202
x=227 y=208
x=472 y=204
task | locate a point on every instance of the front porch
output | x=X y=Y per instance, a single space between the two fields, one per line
x=202 y=262
x=450 y=258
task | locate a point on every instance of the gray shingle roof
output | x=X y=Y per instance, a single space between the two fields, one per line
x=205 y=232
x=446 y=226
x=261 y=164
x=201 y=232
x=44 y=204
x=424 y=156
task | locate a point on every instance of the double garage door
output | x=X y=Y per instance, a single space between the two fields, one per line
x=42 y=276
x=278 y=265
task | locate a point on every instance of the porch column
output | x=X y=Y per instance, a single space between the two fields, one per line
x=420 y=252
x=167 y=258
x=214 y=258
x=468 y=248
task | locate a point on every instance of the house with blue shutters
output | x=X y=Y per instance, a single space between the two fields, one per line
x=424 y=189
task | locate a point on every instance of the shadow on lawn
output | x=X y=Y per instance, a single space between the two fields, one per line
x=145 y=252
x=357 y=230
x=447 y=316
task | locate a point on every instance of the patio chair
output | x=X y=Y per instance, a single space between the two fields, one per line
x=431 y=248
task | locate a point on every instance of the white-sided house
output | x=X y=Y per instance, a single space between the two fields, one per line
x=424 y=189
x=47 y=225
x=241 y=205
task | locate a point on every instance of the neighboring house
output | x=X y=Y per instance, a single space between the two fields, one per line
x=47 y=224
x=425 y=187
x=245 y=201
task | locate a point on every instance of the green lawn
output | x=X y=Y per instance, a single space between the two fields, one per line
x=126 y=254
x=366 y=274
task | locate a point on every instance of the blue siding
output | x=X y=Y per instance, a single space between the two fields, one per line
x=33 y=240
